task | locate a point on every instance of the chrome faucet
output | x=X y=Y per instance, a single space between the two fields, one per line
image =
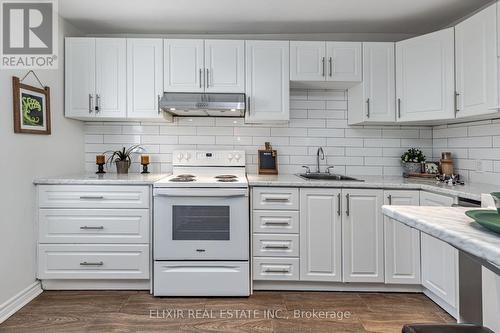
x=320 y=151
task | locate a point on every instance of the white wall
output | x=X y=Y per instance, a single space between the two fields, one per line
x=471 y=143
x=318 y=118
x=26 y=156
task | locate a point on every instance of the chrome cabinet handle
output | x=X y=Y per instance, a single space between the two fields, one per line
x=276 y=199
x=91 y=103
x=97 y=103
x=200 y=76
x=399 y=107
x=90 y=197
x=208 y=78
x=308 y=170
x=348 y=208
x=277 y=247
x=457 y=96
x=159 y=109
x=368 y=108
x=323 y=65
x=277 y=271
x=390 y=199
x=276 y=223
x=248 y=104
x=92 y=228
x=331 y=66
x=100 y=263
x=339 y=205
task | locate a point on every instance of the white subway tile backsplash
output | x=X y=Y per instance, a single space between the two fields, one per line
x=318 y=118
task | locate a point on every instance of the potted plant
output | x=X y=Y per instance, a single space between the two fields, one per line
x=412 y=161
x=122 y=158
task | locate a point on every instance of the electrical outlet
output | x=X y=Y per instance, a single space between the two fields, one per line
x=479 y=166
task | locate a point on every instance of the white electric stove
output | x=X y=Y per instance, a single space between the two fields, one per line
x=201 y=226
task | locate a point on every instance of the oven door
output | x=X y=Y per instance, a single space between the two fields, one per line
x=201 y=224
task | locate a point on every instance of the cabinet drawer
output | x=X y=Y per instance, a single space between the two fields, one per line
x=269 y=245
x=93 y=226
x=275 y=198
x=276 y=268
x=87 y=261
x=276 y=222
x=93 y=196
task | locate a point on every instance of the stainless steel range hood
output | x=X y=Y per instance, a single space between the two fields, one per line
x=203 y=104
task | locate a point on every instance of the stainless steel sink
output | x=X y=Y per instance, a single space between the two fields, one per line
x=327 y=176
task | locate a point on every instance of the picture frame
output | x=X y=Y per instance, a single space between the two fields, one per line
x=432 y=168
x=31 y=107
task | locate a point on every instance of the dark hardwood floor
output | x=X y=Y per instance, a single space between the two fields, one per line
x=137 y=311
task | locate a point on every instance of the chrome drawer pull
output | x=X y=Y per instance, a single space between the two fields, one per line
x=277 y=271
x=92 y=228
x=276 y=199
x=276 y=223
x=100 y=263
x=277 y=247
x=89 y=197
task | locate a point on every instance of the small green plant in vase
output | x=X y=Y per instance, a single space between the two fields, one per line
x=122 y=157
x=412 y=161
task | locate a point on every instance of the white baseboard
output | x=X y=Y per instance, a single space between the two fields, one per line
x=95 y=284
x=334 y=286
x=452 y=311
x=12 y=305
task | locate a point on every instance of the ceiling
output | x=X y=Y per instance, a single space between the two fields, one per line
x=263 y=16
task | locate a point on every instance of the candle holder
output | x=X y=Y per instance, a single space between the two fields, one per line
x=145 y=168
x=100 y=160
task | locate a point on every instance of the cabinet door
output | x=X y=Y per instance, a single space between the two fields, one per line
x=476 y=64
x=111 y=84
x=307 y=61
x=320 y=235
x=144 y=77
x=344 y=61
x=439 y=269
x=432 y=199
x=402 y=243
x=378 y=82
x=225 y=66
x=363 y=236
x=184 y=69
x=267 y=81
x=79 y=77
x=425 y=87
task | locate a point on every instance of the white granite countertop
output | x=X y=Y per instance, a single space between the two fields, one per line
x=104 y=179
x=452 y=226
x=469 y=191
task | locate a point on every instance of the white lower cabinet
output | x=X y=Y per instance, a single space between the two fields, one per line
x=402 y=243
x=363 y=236
x=320 y=235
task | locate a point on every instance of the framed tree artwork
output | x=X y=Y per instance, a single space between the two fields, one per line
x=31 y=108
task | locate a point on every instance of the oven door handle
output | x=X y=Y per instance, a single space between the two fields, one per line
x=201 y=192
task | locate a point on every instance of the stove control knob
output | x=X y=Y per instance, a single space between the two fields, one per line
x=188 y=156
x=229 y=156
x=180 y=156
x=237 y=157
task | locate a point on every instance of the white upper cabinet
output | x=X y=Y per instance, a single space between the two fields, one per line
x=363 y=236
x=425 y=80
x=96 y=77
x=374 y=100
x=344 y=61
x=144 y=77
x=79 y=77
x=402 y=243
x=184 y=68
x=476 y=64
x=225 y=66
x=307 y=61
x=320 y=235
x=111 y=72
x=267 y=72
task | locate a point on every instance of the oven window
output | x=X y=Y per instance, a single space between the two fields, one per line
x=200 y=223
